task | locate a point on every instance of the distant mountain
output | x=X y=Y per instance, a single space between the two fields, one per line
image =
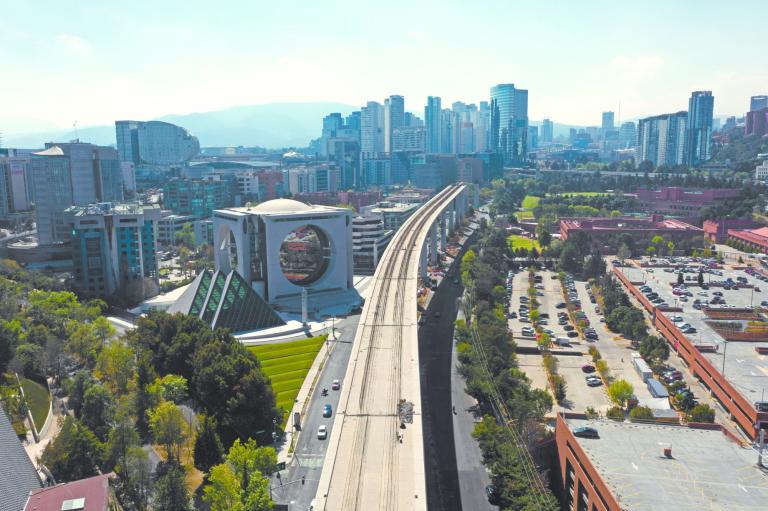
x=271 y=125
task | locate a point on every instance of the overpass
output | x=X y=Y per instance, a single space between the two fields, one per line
x=375 y=456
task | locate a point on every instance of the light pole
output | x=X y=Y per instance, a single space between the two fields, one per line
x=725 y=348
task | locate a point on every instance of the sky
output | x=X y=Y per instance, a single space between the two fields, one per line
x=92 y=62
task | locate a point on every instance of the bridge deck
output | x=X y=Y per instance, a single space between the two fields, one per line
x=373 y=463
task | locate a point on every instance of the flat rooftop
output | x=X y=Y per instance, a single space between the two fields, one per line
x=628 y=223
x=744 y=367
x=706 y=470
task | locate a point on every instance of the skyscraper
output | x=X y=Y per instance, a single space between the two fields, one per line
x=698 y=140
x=547 y=131
x=155 y=143
x=607 y=121
x=533 y=138
x=394 y=117
x=758 y=103
x=509 y=122
x=433 y=123
x=372 y=128
x=661 y=139
x=71 y=174
x=628 y=135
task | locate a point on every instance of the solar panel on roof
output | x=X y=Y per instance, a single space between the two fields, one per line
x=73 y=504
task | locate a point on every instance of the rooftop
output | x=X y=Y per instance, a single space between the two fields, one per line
x=91 y=494
x=706 y=471
x=51 y=151
x=109 y=208
x=17 y=474
x=656 y=222
x=280 y=207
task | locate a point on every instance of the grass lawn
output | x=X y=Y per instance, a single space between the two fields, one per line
x=584 y=194
x=287 y=364
x=530 y=202
x=38 y=401
x=516 y=241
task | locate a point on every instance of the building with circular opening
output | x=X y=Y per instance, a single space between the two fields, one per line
x=283 y=247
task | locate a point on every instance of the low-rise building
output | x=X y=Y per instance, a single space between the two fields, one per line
x=198 y=197
x=678 y=202
x=393 y=215
x=756 y=239
x=606 y=465
x=606 y=233
x=168 y=225
x=90 y=494
x=716 y=231
x=761 y=171
x=114 y=249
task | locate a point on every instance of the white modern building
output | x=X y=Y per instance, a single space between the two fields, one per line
x=285 y=248
x=393 y=215
x=761 y=171
x=369 y=239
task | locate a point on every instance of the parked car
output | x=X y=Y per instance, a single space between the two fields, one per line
x=594 y=382
x=588 y=368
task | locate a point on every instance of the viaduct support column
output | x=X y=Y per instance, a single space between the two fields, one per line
x=423 y=264
x=443 y=236
x=451 y=210
x=433 y=244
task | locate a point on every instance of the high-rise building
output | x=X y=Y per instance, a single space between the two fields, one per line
x=447 y=135
x=155 y=143
x=70 y=174
x=313 y=179
x=482 y=124
x=376 y=169
x=394 y=117
x=758 y=103
x=628 y=135
x=607 y=121
x=661 y=139
x=433 y=123
x=332 y=124
x=547 y=131
x=14 y=189
x=533 y=138
x=114 y=249
x=372 y=128
x=199 y=197
x=698 y=141
x=756 y=122
x=509 y=122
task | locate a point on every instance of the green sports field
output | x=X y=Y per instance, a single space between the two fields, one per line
x=287 y=364
x=516 y=241
x=530 y=202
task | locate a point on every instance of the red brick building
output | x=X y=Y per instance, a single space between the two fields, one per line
x=755 y=238
x=605 y=232
x=716 y=231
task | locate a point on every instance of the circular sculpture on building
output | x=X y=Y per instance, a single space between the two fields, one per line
x=304 y=255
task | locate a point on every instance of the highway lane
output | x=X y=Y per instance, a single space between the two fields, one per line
x=307 y=462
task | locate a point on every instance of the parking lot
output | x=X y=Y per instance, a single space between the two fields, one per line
x=733 y=289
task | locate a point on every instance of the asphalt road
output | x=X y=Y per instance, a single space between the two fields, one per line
x=297 y=485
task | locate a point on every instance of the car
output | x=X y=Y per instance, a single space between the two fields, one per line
x=677 y=319
x=649 y=270
x=422 y=320
x=560 y=305
x=512 y=315
x=438 y=314
x=588 y=368
x=524 y=320
x=327 y=410
x=490 y=491
x=568 y=328
x=594 y=382
x=690 y=330
x=322 y=432
x=543 y=321
x=455 y=281
x=336 y=385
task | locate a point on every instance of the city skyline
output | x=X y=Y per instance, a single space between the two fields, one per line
x=107 y=64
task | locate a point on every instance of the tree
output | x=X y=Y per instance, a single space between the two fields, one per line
x=701 y=413
x=654 y=349
x=223 y=491
x=169 y=428
x=29 y=360
x=103 y=329
x=84 y=343
x=641 y=413
x=170 y=493
x=135 y=475
x=700 y=278
x=680 y=279
x=545 y=238
x=247 y=457
x=74 y=454
x=208 y=448
x=115 y=365
x=620 y=391
x=142 y=400
x=98 y=410
x=80 y=383
x=9 y=338
x=170 y=387
x=122 y=437
x=186 y=236
x=623 y=253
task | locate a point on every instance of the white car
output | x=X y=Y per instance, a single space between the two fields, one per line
x=322 y=432
x=677 y=319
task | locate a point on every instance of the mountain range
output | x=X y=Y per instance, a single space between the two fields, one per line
x=270 y=125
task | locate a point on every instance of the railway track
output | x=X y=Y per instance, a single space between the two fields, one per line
x=370 y=421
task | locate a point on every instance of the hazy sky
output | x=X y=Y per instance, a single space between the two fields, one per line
x=96 y=61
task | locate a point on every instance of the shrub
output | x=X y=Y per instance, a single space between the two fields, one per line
x=590 y=412
x=619 y=391
x=641 y=413
x=558 y=383
x=615 y=413
x=601 y=366
x=595 y=353
x=701 y=413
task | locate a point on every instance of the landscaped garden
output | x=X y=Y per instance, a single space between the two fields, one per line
x=37 y=401
x=287 y=364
